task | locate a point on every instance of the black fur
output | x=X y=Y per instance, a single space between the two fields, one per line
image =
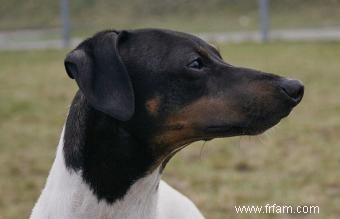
x=92 y=64
x=113 y=139
x=110 y=159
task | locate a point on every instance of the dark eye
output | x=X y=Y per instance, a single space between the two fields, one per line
x=196 y=64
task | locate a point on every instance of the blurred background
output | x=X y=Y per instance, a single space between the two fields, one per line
x=295 y=163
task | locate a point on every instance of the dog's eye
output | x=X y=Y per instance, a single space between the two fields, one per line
x=196 y=64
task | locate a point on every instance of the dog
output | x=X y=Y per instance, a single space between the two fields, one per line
x=144 y=95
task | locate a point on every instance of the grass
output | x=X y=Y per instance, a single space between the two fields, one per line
x=296 y=163
x=88 y=16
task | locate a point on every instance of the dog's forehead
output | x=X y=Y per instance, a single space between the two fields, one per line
x=169 y=37
x=168 y=43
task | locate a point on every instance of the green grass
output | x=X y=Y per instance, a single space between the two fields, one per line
x=296 y=163
x=88 y=16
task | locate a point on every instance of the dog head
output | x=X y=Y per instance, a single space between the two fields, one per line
x=169 y=88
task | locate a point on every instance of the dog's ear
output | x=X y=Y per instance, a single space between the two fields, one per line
x=101 y=75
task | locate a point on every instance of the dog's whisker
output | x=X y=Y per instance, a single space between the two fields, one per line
x=202 y=147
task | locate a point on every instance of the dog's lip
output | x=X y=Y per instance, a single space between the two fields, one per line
x=228 y=130
x=218 y=127
x=225 y=130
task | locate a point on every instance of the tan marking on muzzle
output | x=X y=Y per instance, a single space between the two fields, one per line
x=183 y=125
x=205 y=110
x=188 y=124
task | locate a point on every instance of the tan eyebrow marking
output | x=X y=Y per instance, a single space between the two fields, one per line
x=152 y=105
x=203 y=52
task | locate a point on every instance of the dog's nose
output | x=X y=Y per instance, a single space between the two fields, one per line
x=293 y=88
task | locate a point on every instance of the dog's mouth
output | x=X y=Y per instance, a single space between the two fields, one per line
x=229 y=131
x=256 y=126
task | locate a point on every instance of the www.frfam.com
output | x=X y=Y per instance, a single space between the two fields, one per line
x=277 y=209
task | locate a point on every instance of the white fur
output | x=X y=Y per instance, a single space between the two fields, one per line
x=66 y=196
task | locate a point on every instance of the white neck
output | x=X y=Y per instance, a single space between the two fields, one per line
x=66 y=195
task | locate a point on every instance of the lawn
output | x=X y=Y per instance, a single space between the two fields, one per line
x=195 y=16
x=295 y=163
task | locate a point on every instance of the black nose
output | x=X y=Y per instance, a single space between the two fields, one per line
x=293 y=88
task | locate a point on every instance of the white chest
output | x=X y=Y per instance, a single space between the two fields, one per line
x=67 y=196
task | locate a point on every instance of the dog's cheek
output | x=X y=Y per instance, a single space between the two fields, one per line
x=189 y=122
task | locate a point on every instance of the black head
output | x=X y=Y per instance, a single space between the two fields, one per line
x=144 y=94
x=169 y=88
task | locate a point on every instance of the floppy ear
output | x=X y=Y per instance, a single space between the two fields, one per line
x=101 y=75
